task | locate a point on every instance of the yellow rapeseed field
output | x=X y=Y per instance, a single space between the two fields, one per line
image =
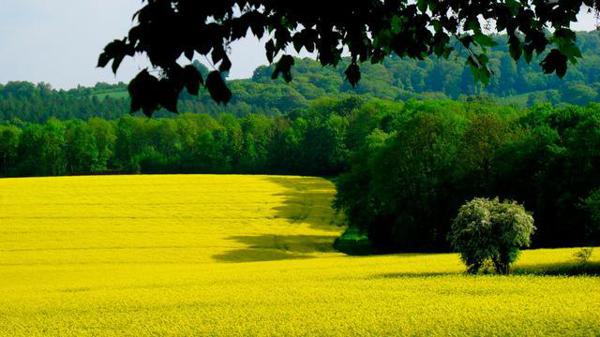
x=207 y=255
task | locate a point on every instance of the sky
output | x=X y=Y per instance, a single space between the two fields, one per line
x=58 y=42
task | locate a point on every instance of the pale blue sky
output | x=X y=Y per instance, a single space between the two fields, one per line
x=58 y=41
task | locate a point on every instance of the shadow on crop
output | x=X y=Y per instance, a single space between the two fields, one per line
x=548 y=269
x=413 y=275
x=276 y=247
x=560 y=269
x=307 y=200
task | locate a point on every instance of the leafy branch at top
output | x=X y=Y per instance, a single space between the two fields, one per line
x=167 y=30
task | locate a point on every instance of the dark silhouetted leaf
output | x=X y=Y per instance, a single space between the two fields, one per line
x=218 y=54
x=115 y=51
x=515 y=47
x=103 y=60
x=225 y=64
x=217 y=88
x=189 y=54
x=284 y=67
x=116 y=63
x=192 y=79
x=270 y=49
x=353 y=74
x=555 y=61
x=164 y=30
x=144 y=91
x=168 y=95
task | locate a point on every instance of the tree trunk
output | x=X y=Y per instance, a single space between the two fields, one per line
x=502 y=264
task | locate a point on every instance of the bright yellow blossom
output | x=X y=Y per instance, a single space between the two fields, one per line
x=224 y=255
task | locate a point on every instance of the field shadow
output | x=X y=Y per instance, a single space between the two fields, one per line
x=560 y=269
x=548 y=269
x=276 y=247
x=413 y=275
x=306 y=200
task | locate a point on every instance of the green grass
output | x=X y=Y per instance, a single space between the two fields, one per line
x=116 y=93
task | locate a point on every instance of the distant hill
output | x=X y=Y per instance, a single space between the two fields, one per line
x=395 y=79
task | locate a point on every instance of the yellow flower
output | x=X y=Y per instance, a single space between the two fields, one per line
x=225 y=255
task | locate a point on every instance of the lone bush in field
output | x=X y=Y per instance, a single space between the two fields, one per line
x=490 y=230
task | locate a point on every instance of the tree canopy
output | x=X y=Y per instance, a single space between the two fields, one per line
x=398 y=79
x=403 y=169
x=167 y=30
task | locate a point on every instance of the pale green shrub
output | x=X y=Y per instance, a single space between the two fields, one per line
x=490 y=230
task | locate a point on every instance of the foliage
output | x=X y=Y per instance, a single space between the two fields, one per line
x=219 y=255
x=9 y=143
x=583 y=255
x=592 y=205
x=490 y=230
x=404 y=186
x=394 y=79
x=168 y=30
x=316 y=141
x=406 y=168
x=353 y=242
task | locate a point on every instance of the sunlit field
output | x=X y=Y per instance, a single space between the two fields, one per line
x=213 y=255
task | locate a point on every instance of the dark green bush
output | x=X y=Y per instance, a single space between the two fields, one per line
x=353 y=242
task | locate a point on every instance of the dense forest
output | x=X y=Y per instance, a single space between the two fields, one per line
x=396 y=79
x=190 y=143
x=408 y=145
x=403 y=168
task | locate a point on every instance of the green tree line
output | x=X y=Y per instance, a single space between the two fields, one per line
x=403 y=169
x=407 y=180
x=314 y=141
x=395 y=79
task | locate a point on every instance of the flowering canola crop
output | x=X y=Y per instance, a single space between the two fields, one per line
x=226 y=255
